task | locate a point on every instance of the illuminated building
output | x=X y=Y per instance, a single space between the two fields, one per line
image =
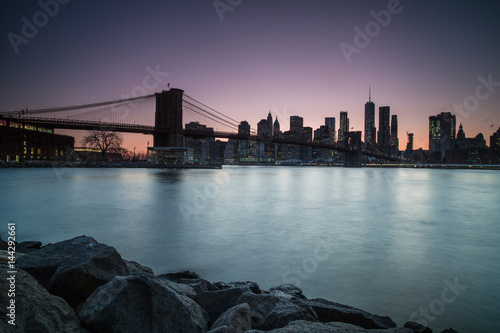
x=370 y=129
x=20 y=141
x=442 y=129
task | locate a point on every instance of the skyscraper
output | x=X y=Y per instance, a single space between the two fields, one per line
x=394 y=135
x=344 y=126
x=270 y=124
x=242 y=145
x=330 y=122
x=276 y=129
x=442 y=129
x=384 y=130
x=296 y=124
x=370 y=129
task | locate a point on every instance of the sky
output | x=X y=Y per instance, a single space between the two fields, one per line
x=245 y=58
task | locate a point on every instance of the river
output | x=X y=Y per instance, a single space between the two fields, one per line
x=418 y=244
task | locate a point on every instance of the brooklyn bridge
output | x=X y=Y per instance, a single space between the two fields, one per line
x=161 y=115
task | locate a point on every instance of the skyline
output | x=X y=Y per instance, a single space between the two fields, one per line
x=286 y=57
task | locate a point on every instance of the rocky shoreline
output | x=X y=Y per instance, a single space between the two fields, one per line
x=80 y=285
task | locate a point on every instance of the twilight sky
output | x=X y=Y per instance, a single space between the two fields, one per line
x=283 y=56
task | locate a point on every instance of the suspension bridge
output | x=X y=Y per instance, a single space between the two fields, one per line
x=161 y=115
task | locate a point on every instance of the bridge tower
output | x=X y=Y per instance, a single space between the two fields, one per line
x=168 y=119
x=353 y=141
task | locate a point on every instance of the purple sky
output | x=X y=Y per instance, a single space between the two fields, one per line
x=283 y=56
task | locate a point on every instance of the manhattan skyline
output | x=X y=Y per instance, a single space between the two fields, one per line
x=287 y=57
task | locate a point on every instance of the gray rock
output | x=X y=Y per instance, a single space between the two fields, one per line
x=216 y=302
x=140 y=303
x=301 y=326
x=28 y=246
x=288 y=290
x=73 y=269
x=235 y=320
x=36 y=311
x=183 y=289
x=449 y=330
x=199 y=285
x=329 y=311
x=252 y=286
x=174 y=277
x=417 y=328
x=136 y=268
x=270 y=311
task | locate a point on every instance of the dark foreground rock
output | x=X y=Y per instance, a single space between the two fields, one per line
x=417 y=328
x=330 y=311
x=36 y=310
x=269 y=311
x=235 y=320
x=140 y=303
x=73 y=269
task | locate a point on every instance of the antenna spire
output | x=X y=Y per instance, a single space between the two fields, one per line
x=370 y=93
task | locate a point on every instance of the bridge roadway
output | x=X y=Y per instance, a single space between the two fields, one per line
x=144 y=129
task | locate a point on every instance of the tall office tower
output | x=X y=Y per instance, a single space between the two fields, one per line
x=330 y=122
x=409 y=144
x=442 y=129
x=344 y=126
x=242 y=146
x=370 y=129
x=384 y=131
x=394 y=134
x=270 y=123
x=276 y=129
x=296 y=124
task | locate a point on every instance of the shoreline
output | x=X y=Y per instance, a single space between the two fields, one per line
x=81 y=285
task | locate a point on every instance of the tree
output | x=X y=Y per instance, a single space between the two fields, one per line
x=102 y=140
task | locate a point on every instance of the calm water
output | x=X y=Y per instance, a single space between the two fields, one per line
x=389 y=241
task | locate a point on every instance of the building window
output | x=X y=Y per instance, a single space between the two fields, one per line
x=32 y=151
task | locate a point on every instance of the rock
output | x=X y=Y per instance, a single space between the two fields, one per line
x=288 y=290
x=217 y=302
x=449 y=330
x=417 y=328
x=270 y=311
x=301 y=326
x=235 y=320
x=199 y=285
x=5 y=256
x=73 y=269
x=36 y=310
x=3 y=244
x=29 y=246
x=329 y=311
x=183 y=289
x=140 y=303
x=174 y=277
x=136 y=268
x=254 y=287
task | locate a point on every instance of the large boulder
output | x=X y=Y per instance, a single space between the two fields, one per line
x=235 y=320
x=28 y=246
x=176 y=276
x=270 y=311
x=199 y=285
x=288 y=291
x=216 y=302
x=140 y=303
x=329 y=311
x=36 y=311
x=73 y=269
x=136 y=268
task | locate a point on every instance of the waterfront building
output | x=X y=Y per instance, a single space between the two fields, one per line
x=330 y=122
x=21 y=141
x=442 y=129
x=344 y=127
x=370 y=129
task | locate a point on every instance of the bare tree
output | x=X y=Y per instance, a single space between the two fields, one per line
x=102 y=140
